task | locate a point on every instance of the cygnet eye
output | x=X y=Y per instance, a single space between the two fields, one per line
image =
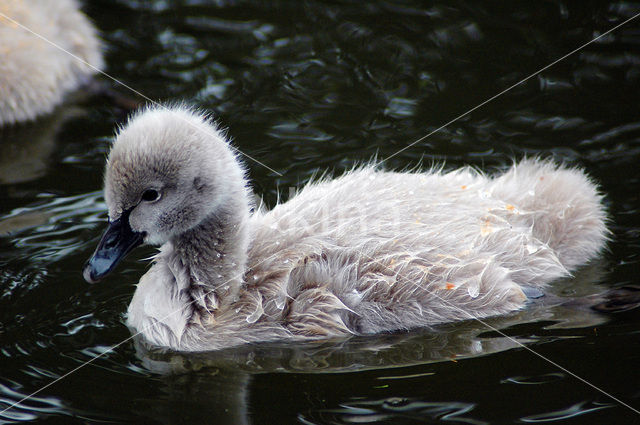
x=150 y=195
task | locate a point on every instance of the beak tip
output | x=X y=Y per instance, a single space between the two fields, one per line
x=87 y=273
x=116 y=242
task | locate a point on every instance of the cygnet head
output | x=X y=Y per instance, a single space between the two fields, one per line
x=168 y=170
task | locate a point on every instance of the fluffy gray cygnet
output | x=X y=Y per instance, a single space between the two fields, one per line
x=370 y=251
x=43 y=49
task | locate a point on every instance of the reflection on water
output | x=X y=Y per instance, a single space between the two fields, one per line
x=446 y=343
x=312 y=86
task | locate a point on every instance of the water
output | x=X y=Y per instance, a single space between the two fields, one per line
x=306 y=87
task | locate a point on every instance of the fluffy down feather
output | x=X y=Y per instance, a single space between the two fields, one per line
x=370 y=251
x=35 y=75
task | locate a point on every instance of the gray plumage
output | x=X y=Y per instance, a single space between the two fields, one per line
x=370 y=251
x=34 y=74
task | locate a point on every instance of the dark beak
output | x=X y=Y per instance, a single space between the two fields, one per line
x=115 y=244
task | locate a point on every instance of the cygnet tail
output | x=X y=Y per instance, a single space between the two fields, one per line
x=566 y=207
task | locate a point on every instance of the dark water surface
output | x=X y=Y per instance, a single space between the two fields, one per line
x=312 y=86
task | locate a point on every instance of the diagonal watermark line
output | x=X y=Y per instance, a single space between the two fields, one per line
x=482 y=322
x=112 y=348
x=507 y=89
x=148 y=99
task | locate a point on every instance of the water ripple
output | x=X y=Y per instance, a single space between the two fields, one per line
x=52 y=230
x=572 y=411
x=534 y=380
x=28 y=410
x=371 y=411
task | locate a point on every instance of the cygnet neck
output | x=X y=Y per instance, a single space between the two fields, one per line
x=214 y=254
